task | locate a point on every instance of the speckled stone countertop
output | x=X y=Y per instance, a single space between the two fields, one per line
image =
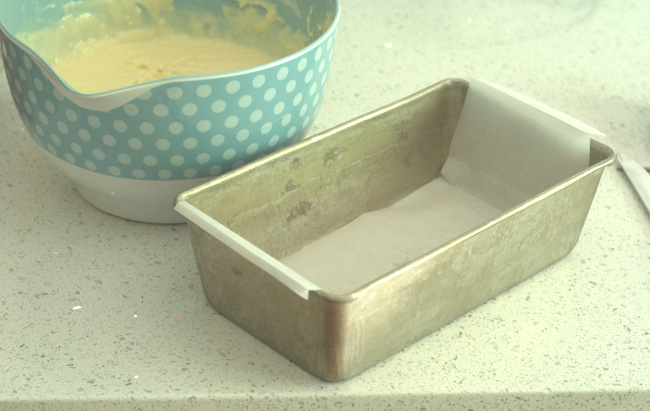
x=101 y=313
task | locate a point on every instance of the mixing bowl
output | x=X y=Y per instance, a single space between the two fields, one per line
x=131 y=150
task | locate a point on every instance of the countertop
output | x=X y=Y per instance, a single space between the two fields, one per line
x=97 y=312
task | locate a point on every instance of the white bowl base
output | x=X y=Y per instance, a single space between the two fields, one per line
x=139 y=200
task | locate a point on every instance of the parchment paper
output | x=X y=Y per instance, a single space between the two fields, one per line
x=506 y=149
x=380 y=241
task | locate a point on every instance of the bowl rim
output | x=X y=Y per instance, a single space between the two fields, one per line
x=139 y=89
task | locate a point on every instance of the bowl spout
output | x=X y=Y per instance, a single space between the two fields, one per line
x=16 y=17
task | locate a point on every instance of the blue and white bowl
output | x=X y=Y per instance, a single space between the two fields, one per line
x=131 y=151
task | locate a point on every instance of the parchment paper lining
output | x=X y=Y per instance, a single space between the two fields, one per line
x=506 y=149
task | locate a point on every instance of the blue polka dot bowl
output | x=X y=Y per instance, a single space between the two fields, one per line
x=130 y=151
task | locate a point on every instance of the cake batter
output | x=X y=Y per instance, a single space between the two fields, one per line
x=138 y=56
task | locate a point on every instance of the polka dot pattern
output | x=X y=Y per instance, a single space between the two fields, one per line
x=199 y=127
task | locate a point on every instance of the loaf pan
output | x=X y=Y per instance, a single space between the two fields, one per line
x=244 y=226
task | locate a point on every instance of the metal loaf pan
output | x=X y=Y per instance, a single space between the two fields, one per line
x=243 y=223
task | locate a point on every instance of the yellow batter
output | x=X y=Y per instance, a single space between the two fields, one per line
x=139 y=56
x=102 y=45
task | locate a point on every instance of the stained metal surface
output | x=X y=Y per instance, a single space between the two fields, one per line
x=299 y=194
